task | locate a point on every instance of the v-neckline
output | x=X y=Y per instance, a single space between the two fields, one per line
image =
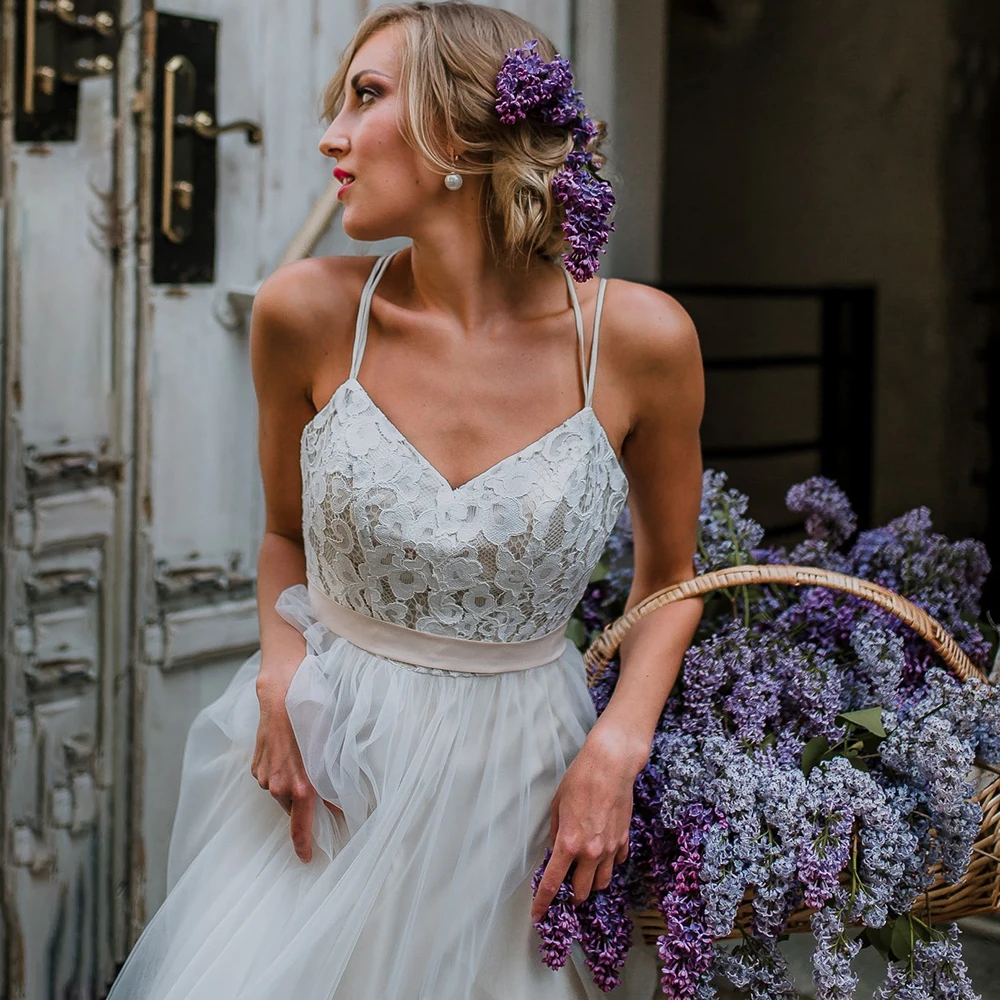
x=426 y=462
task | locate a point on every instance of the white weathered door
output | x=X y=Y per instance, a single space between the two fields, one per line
x=133 y=510
x=66 y=483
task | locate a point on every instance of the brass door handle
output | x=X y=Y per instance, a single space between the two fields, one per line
x=202 y=124
x=52 y=54
x=181 y=124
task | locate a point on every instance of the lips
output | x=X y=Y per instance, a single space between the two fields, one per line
x=346 y=178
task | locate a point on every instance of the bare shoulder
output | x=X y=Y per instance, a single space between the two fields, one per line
x=654 y=347
x=652 y=332
x=303 y=318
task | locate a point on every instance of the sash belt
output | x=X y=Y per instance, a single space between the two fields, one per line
x=425 y=649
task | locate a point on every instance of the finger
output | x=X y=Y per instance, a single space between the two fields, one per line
x=602 y=879
x=301 y=825
x=583 y=878
x=552 y=878
x=622 y=854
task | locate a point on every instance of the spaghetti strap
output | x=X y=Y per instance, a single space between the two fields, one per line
x=364 y=308
x=579 y=328
x=592 y=370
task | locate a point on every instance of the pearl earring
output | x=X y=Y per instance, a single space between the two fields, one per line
x=454 y=180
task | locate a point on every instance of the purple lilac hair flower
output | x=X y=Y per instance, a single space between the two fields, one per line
x=530 y=87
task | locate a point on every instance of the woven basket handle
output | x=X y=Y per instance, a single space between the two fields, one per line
x=606 y=643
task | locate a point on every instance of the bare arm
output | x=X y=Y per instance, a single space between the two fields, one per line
x=279 y=355
x=592 y=809
x=663 y=460
x=288 y=334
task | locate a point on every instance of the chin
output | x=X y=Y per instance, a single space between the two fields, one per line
x=368 y=230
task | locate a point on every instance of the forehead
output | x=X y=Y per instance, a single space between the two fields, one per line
x=381 y=52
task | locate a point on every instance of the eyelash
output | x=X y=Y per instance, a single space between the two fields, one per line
x=358 y=91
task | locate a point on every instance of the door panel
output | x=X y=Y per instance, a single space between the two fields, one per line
x=66 y=397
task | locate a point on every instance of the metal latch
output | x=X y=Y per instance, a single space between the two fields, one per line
x=186 y=153
x=60 y=43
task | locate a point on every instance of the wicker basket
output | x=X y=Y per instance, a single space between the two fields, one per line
x=979 y=891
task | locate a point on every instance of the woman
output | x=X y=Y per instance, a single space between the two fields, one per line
x=440 y=479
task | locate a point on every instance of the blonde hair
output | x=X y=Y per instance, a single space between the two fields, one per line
x=452 y=52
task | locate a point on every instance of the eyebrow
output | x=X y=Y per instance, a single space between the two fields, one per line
x=361 y=72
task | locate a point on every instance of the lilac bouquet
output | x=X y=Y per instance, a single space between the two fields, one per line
x=529 y=87
x=813 y=751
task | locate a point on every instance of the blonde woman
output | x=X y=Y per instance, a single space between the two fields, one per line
x=445 y=450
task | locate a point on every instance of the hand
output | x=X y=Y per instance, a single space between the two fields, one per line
x=591 y=813
x=277 y=766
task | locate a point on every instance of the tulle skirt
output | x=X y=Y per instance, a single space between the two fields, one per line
x=419 y=888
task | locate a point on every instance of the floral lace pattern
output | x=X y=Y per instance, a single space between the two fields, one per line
x=503 y=557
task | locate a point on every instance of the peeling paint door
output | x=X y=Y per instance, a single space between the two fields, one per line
x=67 y=300
x=132 y=503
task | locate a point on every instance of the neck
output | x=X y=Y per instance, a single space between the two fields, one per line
x=460 y=279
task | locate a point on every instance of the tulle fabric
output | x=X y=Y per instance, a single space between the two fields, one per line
x=419 y=884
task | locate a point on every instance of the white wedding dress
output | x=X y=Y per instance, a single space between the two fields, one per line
x=438 y=706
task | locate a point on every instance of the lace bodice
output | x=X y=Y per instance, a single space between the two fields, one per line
x=503 y=557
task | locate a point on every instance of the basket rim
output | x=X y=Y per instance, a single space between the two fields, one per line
x=605 y=644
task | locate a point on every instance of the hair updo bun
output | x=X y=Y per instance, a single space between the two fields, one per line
x=453 y=51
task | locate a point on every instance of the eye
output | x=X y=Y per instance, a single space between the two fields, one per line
x=362 y=92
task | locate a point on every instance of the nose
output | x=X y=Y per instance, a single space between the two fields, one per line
x=334 y=143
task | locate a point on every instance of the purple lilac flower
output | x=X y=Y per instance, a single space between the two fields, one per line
x=528 y=86
x=606 y=930
x=587 y=200
x=830 y=517
x=758 y=966
x=725 y=535
x=880 y=657
x=686 y=949
x=834 y=953
x=939 y=972
x=944 y=578
x=723 y=806
x=560 y=926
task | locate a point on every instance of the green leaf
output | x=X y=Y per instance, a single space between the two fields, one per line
x=871 y=742
x=812 y=753
x=576 y=633
x=599 y=572
x=866 y=718
x=901 y=938
x=922 y=931
x=880 y=938
x=858 y=763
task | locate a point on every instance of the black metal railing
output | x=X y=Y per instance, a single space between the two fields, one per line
x=988 y=478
